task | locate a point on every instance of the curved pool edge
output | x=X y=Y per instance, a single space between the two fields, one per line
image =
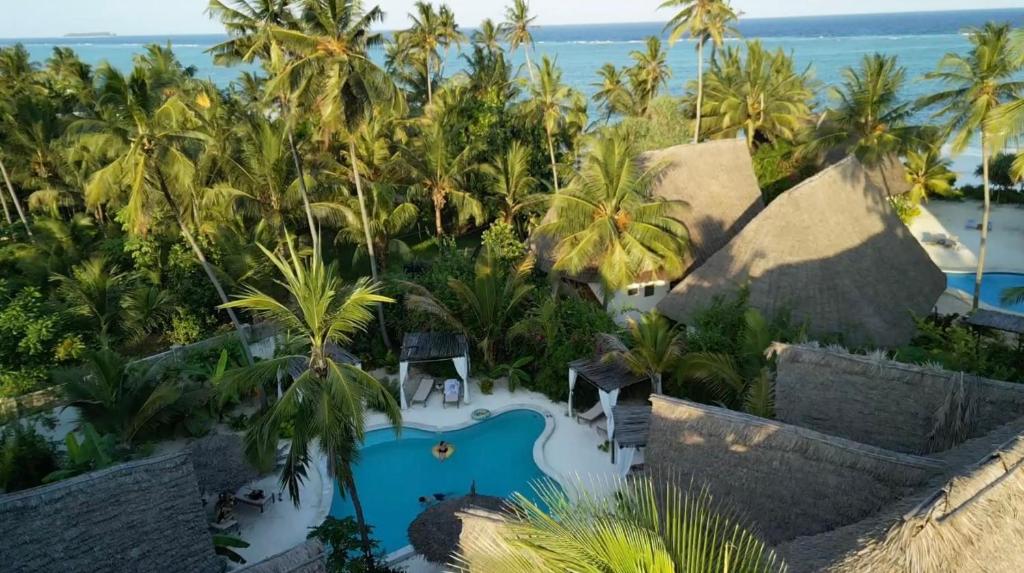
x=408 y=552
x=968 y=297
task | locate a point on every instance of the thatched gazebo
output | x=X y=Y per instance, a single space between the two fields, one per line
x=831 y=253
x=420 y=347
x=435 y=533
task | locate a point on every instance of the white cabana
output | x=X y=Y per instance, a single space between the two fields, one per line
x=608 y=377
x=419 y=347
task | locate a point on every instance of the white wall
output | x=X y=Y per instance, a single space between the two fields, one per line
x=625 y=305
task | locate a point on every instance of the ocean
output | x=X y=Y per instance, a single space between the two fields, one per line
x=826 y=44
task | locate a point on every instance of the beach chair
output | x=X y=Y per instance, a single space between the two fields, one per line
x=973 y=225
x=591 y=415
x=423 y=390
x=452 y=392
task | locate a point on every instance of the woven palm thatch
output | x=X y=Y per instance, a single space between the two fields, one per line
x=140 y=517
x=892 y=405
x=220 y=464
x=786 y=479
x=307 y=557
x=716 y=179
x=436 y=532
x=830 y=252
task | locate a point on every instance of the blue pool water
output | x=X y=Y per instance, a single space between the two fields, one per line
x=393 y=473
x=992 y=287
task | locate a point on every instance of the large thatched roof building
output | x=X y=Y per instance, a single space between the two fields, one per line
x=136 y=517
x=832 y=253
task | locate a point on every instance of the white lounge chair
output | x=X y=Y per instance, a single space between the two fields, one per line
x=423 y=390
x=591 y=415
x=452 y=392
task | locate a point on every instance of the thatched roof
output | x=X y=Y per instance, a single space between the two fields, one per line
x=435 y=533
x=889 y=404
x=716 y=179
x=136 y=517
x=306 y=557
x=1002 y=321
x=890 y=175
x=607 y=376
x=632 y=422
x=427 y=346
x=832 y=253
x=220 y=464
x=789 y=481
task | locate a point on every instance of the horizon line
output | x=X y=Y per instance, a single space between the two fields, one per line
x=103 y=34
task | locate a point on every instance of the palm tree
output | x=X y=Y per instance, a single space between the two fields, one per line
x=511 y=182
x=517 y=30
x=548 y=102
x=334 y=70
x=612 y=91
x=389 y=219
x=488 y=36
x=869 y=119
x=440 y=172
x=978 y=84
x=325 y=403
x=487 y=306
x=449 y=32
x=95 y=290
x=607 y=219
x=760 y=94
x=649 y=524
x=653 y=347
x=744 y=381
x=14 y=198
x=702 y=20
x=248 y=24
x=150 y=132
x=929 y=173
x=649 y=73
x=425 y=36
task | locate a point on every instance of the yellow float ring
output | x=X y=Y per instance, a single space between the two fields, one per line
x=437 y=452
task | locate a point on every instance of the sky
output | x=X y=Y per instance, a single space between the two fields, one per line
x=48 y=18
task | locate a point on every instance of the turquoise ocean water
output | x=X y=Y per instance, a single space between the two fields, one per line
x=826 y=44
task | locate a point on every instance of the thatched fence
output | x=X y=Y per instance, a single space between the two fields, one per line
x=140 y=517
x=888 y=404
x=789 y=481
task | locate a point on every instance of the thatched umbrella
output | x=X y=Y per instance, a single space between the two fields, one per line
x=435 y=533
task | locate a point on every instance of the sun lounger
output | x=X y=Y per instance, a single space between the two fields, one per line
x=973 y=225
x=260 y=503
x=591 y=415
x=452 y=392
x=423 y=391
x=225 y=526
x=602 y=427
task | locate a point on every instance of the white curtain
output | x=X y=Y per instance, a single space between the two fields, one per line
x=572 y=385
x=624 y=460
x=462 y=367
x=608 y=401
x=403 y=373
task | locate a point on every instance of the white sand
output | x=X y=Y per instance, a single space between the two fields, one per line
x=1005 y=241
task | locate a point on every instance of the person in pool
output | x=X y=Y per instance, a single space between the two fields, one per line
x=442 y=448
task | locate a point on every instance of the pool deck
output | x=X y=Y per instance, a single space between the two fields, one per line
x=568 y=453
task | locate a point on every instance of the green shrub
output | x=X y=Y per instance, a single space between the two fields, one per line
x=957 y=348
x=341 y=537
x=186 y=328
x=906 y=209
x=501 y=239
x=25 y=458
x=487 y=386
x=34 y=338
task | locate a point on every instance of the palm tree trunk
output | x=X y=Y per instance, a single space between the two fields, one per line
x=7 y=212
x=357 y=506
x=529 y=64
x=554 y=167
x=438 y=224
x=369 y=239
x=207 y=268
x=983 y=249
x=430 y=91
x=14 y=198
x=656 y=378
x=700 y=89
x=313 y=233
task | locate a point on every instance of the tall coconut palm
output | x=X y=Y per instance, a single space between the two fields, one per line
x=649 y=73
x=929 y=173
x=14 y=198
x=389 y=219
x=333 y=69
x=869 y=118
x=511 y=183
x=612 y=91
x=652 y=348
x=151 y=169
x=248 y=24
x=486 y=307
x=425 y=35
x=94 y=289
x=758 y=92
x=979 y=82
x=440 y=172
x=450 y=33
x=606 y=219
x=548 y=102
x=702 y=20
x=326 y=402
x=488 y=36
x=516 y=27
x=651 y=524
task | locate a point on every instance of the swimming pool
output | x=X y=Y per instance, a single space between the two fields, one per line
x=992 y=287
x=392 y=474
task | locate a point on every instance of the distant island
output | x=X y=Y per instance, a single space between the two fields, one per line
x=90 y=35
